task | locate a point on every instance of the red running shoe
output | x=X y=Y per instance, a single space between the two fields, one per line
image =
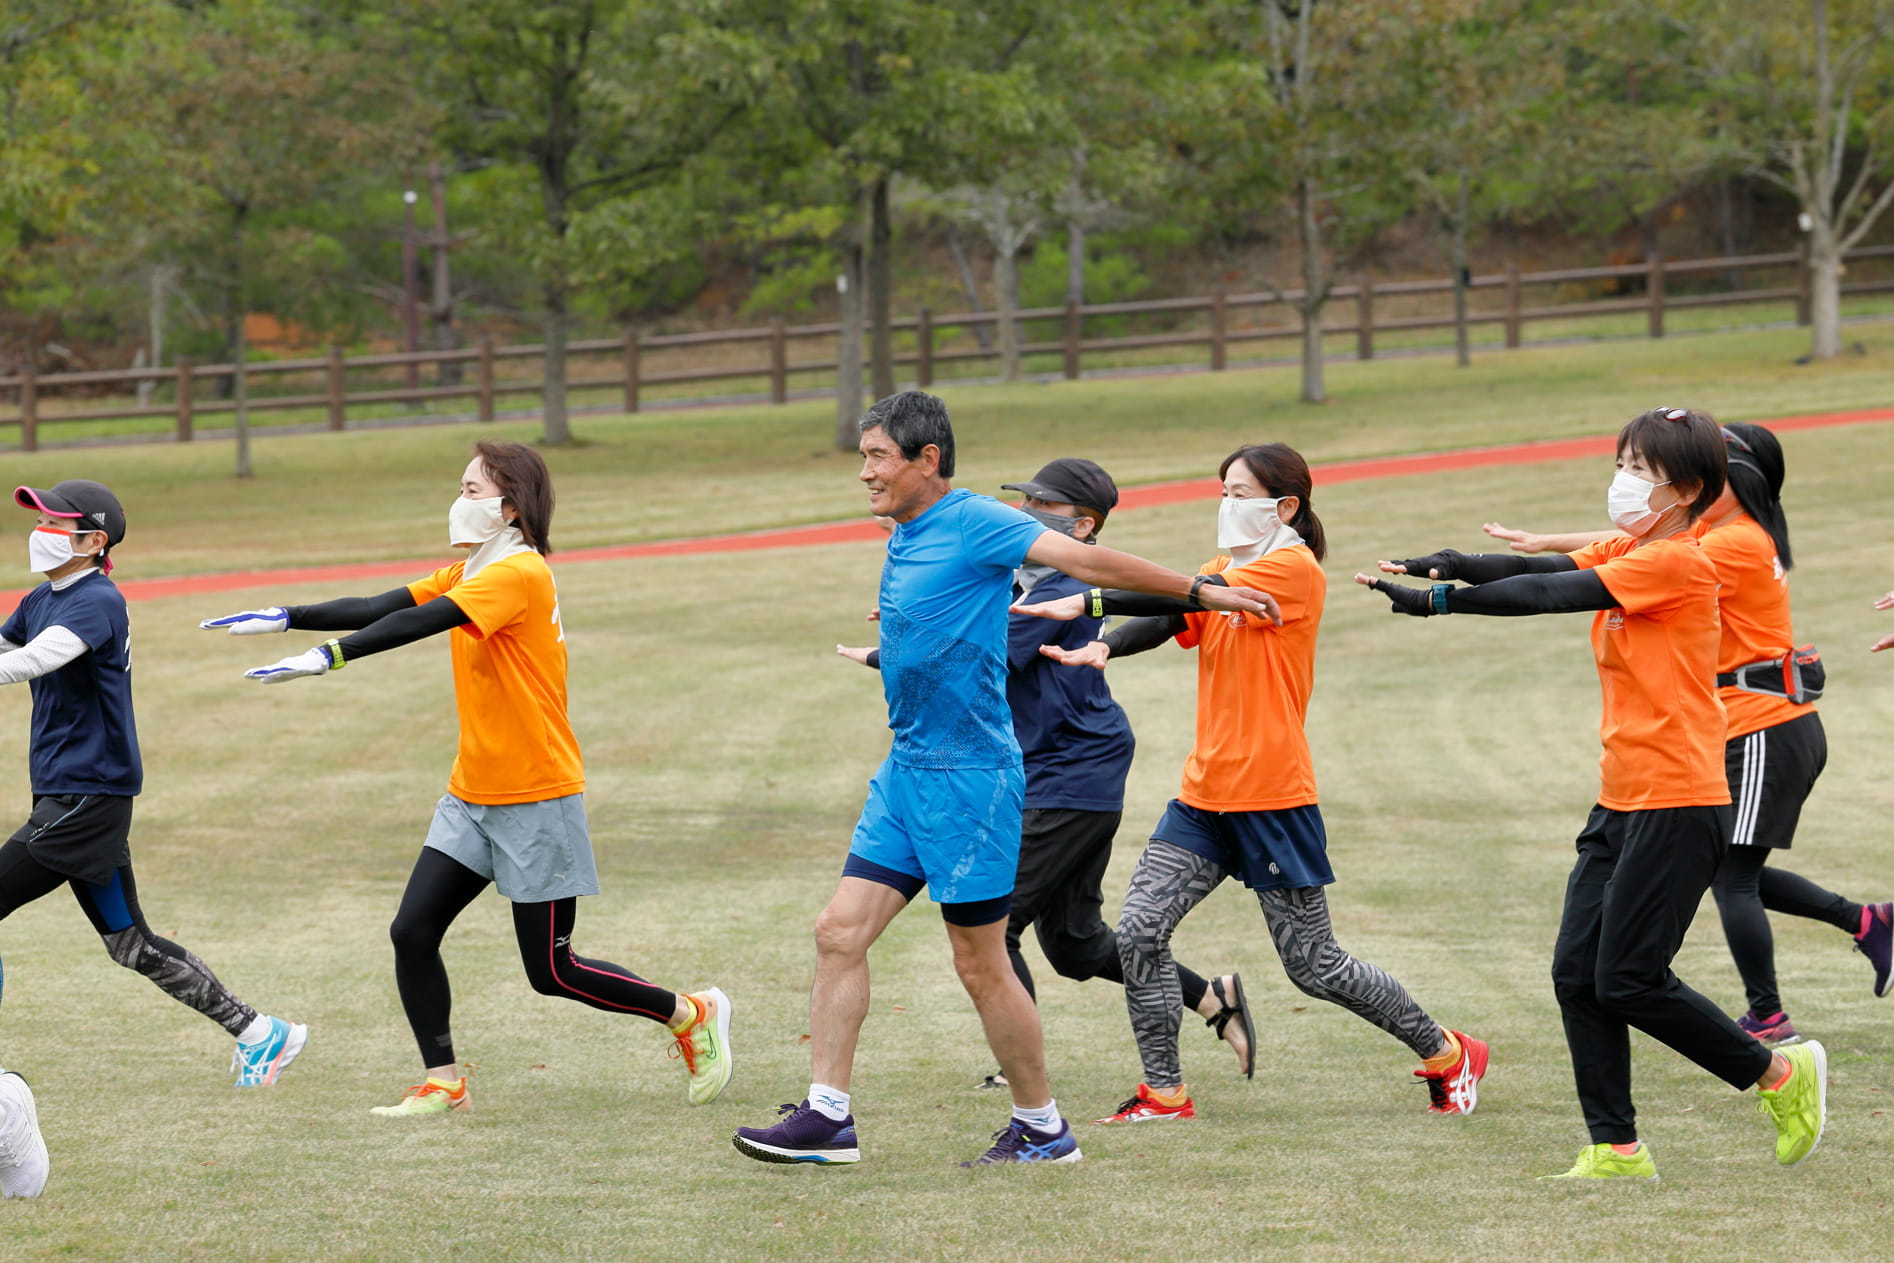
x=1145 y=1108
x=1456 y=1090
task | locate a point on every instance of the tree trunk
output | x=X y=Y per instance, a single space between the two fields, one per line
x=160 y=287
x=241 y=414
x=1824 y=296
x=848 y=349
x=1314 y=294
x=881 y=289
x=558 y=426
x=1075 y=261
x=441 y=304
x=968 y=286
x=1006 y=293
x=1461 y=352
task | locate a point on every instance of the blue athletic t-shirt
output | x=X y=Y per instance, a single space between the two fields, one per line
x=1075 y=738
x=944 y=592
x=84 y=738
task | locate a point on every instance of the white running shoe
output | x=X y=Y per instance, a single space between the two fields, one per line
x=23 y=1162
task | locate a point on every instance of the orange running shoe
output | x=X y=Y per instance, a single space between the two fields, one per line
x=1145 y=1108
x=1456 y=1090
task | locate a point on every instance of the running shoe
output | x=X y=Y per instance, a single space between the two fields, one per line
x=1456 y=1090
x=801 y=1134
x=1774 y=1031
x=1019 y=1141
x=704 y=1046
x=1602 y=1162
x=23 y=1162
x=1235 y=1008
x=1799 y=1107
x=1145 y=1107
x=1876 y=942
x=257 y=1065
x=435 y=1096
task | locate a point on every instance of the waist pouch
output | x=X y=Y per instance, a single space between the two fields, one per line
x=1798 y=676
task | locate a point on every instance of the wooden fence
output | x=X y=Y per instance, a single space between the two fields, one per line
x=1217 y=314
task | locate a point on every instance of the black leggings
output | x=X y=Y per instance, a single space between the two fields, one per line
x=1746 y=887
x=438 y=890
x=112 y=907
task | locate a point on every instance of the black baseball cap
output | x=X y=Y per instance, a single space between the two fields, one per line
x=1071 y=480
x=91 y=505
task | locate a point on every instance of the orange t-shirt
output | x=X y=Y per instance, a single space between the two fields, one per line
x=1756 y=621
x=1253 y=686
x=1663 y=724
x=516 y=745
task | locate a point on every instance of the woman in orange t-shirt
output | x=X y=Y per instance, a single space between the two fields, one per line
x=1775 y=745
x=1662 y=821
x=514 y=812
x=1247 y=808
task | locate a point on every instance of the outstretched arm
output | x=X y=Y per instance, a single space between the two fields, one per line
x=1109 y=568
x=1566 y=593
x=344 y=614
x=1450 y=563
x=402 y=627
x=45 y=653
x=1532 y=542
x=1885 y=642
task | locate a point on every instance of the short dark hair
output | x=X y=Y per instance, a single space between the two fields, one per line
x=914 y=419
x=525 y=483
x=1685 y=445
x=1756 y=473
x=1283 y=472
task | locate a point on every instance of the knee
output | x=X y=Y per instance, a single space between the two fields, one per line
x=839 y=937
x=544 y=979
x=412 y=938
x=1306 y=976
x=126 y=946
x=1077 y=959
x=1618 y=987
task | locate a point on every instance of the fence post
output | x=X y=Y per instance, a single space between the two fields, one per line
x=1219 y=331
x=1654 y=283
x=337 y=416
x=483 y=377
x=1804 y=297
x=778 y=362
x=924 y=349
x=1072 y=328
x=1512 y=303
x=183 y=401
x=29 y=409
x=1364 y=318
x=631 y=370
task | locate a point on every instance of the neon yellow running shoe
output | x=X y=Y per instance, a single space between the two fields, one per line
x=1799 y=1108
x=704 y=1046
x=435 y=1096
x=1602 y=1162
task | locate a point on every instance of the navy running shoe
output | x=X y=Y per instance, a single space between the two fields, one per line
x=801 y=1134
x=1021 y=1142
x=1876 y=942
x=1774 y=1031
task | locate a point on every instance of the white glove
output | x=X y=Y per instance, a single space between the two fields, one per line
x=318 y=661
x=251 y=622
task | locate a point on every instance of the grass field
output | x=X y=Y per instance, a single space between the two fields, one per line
x=727 y=750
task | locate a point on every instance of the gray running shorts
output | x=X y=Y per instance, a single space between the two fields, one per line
x=533 y=852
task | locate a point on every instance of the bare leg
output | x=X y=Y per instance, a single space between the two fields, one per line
x=1006 y=1011
x=838 y=1001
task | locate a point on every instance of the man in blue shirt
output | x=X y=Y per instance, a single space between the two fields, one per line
x=944 y=810
x=70 y=638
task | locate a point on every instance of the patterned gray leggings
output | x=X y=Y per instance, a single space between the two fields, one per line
x=1168 y=883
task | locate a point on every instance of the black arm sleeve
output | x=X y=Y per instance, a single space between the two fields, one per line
x=1565 y=593
x=1146 y=605
x=874 y=660
x=403 y=627
x=1450 y=563
x=1141 y=634
x=348 y=613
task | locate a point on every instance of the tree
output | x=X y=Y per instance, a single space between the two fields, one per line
x=595 y=110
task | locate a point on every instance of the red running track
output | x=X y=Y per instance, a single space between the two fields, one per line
x=864 y=528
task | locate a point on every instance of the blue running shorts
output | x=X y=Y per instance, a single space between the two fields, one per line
x=956 y=829
x=1265 y=850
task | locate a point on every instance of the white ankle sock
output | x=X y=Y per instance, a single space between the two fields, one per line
x=829 y=1102
x=258 y=1029
x=1044 y=1119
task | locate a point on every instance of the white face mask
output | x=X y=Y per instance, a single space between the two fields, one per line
x=1244 y=522
x=1629 y=503
x=47 y=549
x=475 y=521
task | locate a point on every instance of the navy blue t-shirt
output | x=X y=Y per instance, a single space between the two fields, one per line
x=84 y=738
x=944 y=591
x=1075 y=737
